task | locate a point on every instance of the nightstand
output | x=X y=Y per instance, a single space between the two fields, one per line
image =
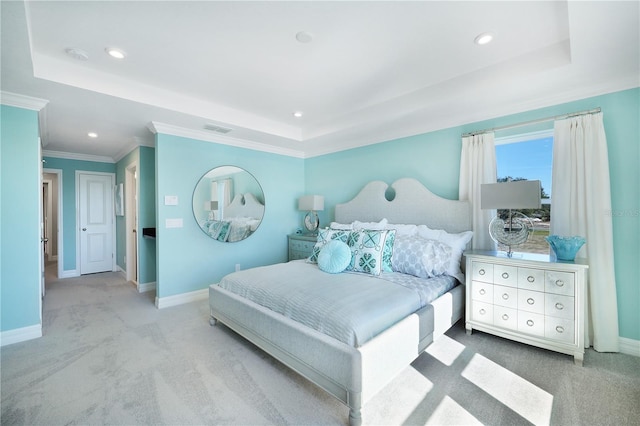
x=301 y=245
x=529 y=298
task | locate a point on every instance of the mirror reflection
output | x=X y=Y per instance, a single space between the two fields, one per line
x=228 y=204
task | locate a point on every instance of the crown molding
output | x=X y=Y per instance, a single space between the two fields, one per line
x=22 y=101
x=80 y=157
x=169 y=129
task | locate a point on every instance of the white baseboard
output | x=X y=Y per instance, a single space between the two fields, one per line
x=629 y=346
x=143 y=288
x=71 y=273
x=179 y=299
x=20 y=334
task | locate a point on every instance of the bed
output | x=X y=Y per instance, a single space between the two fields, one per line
x=241 y=218
x=351 y=365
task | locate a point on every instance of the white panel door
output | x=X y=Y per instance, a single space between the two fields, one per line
x=96 y=223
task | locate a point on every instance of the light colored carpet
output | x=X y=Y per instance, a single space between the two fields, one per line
x=108 y=356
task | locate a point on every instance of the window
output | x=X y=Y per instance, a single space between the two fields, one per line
x=528 y=157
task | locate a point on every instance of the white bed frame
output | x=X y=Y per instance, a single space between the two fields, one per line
x=354 y=375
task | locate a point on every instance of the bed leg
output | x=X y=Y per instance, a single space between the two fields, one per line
x=212 y=321
x=355 y=415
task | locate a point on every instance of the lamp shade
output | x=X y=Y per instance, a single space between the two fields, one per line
x=311 y=203
x=211 y=205
x=521 y=194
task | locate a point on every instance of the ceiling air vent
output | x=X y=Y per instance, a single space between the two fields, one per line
x=216 y=128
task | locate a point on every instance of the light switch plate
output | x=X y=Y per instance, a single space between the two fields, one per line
x=170 y=200
x=173 y=223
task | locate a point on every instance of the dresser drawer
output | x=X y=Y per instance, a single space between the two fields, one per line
x=482 y=292
x=505 y=296
x=505 y=275
x=559 y=306
x=482 y=272
x=559 y=282
x=531 y=279
x=531 y=323
x=300 y=246
x=505 y=317
x=559 y=329
x=296 y=254
x=531 y=301
x=482 y=312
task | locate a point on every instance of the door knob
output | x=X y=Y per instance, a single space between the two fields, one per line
x=84 y=229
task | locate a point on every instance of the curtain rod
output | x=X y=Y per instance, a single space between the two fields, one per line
x=540 y=120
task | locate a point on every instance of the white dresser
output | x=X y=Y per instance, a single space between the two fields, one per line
x=529 y=298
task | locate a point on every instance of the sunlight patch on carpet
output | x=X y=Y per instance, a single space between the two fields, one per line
x=449 y=412
x=520 y=395
x=445 y=349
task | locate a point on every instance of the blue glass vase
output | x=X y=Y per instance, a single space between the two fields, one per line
x=565 y=248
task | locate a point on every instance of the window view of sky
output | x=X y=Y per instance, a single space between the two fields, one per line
x=530 y=160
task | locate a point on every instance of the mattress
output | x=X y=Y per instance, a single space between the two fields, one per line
x=350 y=307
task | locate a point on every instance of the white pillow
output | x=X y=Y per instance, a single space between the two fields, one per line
x=341 y=226
x=423 y=258
x=373 y=226
x=403 y=230
x=457 y=242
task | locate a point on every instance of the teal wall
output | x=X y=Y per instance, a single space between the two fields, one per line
x=19 y=219
x=144 y=157
x=147 y=214
x=187 y=259
x=69 y=228
x=433 y=158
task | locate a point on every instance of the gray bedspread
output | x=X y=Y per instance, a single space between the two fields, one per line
x=350 y=307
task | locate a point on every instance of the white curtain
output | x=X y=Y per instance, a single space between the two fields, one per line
x=581 y=205
x=478 y=165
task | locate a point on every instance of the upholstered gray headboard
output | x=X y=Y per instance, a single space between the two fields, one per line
x=413 y=204
x=244 y=205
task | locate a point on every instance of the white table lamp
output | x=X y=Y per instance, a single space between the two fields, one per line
x=521 y=194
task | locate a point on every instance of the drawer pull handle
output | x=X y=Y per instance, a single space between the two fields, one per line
x=531 y=278
x=559 y=306
x=505 y=296
x=505 y=317
x=559 y=283
x=531 y=301
x=505 y=275
x=560 y=329
x=530 y=323
x=482 y=311
x=482 y=292
x=481 y=272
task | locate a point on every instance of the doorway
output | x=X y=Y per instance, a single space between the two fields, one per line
x=131 y=222
x=52 y=223
x=96 y=230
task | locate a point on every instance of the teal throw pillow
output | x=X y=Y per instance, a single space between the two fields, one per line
x=334 y=257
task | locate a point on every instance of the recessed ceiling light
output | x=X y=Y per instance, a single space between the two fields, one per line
x=92 y=135
x=76 y=53
x=298 y=114
x=483 y=38
x=304 y=37
x=115 y=53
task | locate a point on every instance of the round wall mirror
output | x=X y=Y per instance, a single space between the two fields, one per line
x=228 y=204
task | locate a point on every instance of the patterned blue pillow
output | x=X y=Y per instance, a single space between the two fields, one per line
x=368 y=249
x=420 y=257
x=324 y=236
x=334 y=257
